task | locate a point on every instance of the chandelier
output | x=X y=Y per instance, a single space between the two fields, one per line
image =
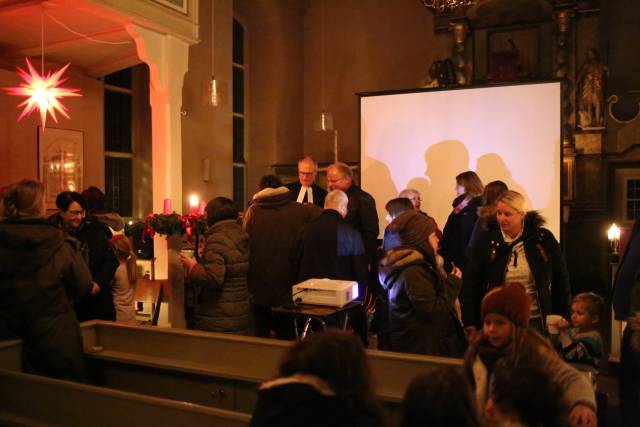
x=441 y=6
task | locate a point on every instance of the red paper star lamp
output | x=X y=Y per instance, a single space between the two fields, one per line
x=42 y=93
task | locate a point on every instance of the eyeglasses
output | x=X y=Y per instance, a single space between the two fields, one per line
x=305 y=173
x=76 y=213
x=333 y=181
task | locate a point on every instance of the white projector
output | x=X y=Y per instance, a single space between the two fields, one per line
x=335 y=293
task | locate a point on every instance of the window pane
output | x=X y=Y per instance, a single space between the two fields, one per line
x=238 y=43
x=238 y=140
x=117 y=121
x=239 y=186
x=118 y=185
x=238 y=90
x=120 y=78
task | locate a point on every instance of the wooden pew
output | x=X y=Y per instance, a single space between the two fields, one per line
x=214 y=369
x=11 y=355
x=30 y=400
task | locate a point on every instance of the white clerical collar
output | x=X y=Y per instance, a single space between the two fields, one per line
x=305 y=190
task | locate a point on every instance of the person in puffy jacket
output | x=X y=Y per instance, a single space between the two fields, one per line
x=217 y=285
x=41 y=273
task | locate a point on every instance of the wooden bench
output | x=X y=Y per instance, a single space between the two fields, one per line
x=30 y=400
x=215 y=369
x=11 y=355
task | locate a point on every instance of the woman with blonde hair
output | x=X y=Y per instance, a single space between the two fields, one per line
x=457 y=231
x=124 y=282
x=517 y=249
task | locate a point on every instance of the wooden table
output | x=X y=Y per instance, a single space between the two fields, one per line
x=320 y=313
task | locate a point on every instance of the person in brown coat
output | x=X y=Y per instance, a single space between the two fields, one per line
x=218 y=283
x=274 y=223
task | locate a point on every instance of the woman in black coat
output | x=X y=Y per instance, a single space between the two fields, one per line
x=41 y=272
x=516 y=248
x=422 y=298
x=457 y=231
x=98 y=254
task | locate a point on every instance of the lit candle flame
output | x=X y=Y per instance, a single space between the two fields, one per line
x=614 y=232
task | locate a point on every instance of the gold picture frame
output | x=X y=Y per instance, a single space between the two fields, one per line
x=60 y=161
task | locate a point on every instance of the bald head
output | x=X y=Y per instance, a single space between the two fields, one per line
x=338 y=201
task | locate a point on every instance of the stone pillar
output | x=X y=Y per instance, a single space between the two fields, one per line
x=167 y=58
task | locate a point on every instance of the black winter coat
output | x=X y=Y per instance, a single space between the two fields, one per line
x=218 y=284
x=102 y=262
x=298 y=404
x=488 y=265
x=421 y=305
x=457 y=233
x=363 y=216
x=41 y=272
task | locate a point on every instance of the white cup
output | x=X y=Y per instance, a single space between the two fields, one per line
x=552 y=323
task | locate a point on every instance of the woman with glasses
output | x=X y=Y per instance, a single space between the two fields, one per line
x=96 y=251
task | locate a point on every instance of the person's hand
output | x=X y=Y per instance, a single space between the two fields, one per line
x=470 y=332
x=457 y=272
x=582 y=415
x=95 y=289
x=562 y=325
x=188 y=262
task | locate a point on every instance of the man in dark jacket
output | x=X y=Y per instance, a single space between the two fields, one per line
x=305 y=189
x=331 y=248
x=274 y=223
x=362 y=214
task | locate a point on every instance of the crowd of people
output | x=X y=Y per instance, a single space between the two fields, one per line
x=484 y=288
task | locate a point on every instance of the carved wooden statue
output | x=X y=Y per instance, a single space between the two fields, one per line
x=591 y=86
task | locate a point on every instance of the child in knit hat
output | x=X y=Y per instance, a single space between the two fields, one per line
x=505 y=340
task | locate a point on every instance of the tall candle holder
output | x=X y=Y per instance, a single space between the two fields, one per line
x=614 y=241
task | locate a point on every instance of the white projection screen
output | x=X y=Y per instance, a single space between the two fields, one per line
x=423 y=139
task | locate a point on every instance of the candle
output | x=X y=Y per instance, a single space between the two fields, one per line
x=193 y=205
x=614 y=237
x=167 y=207
x=202 y=207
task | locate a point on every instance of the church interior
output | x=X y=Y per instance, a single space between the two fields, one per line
x=183 y=98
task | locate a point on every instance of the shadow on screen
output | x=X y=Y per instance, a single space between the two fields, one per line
x=444 y=160
x=384 y=185
x=491 y=167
